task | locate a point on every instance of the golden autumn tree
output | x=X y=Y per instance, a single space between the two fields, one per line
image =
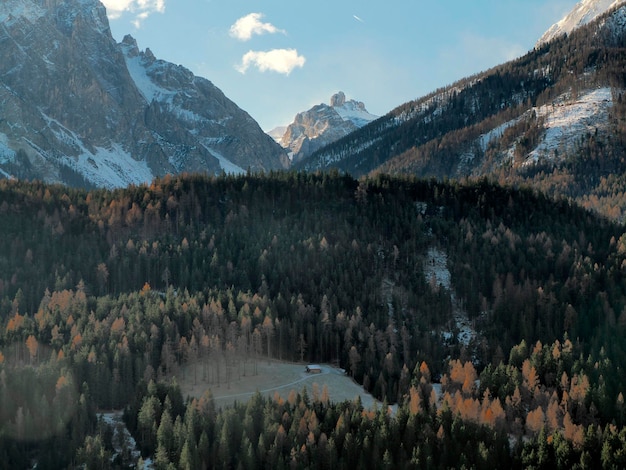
x=415 y=401
x=535 y=420
x=33 y=347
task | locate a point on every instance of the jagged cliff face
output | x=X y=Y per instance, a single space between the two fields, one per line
x=324 y=124
x=78 y=108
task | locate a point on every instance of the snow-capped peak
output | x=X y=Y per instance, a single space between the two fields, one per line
x=583 y=13
x=351 y=110
x=321 y=125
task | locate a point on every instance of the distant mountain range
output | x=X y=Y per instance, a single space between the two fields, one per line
x=554 y=119
x=80 y=109
x=322 y=125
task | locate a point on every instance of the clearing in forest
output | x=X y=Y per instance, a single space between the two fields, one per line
x=277 y=376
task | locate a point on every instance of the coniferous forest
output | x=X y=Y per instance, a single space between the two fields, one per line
x=105 y=295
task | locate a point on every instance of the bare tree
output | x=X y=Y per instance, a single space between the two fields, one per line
x=268 y=331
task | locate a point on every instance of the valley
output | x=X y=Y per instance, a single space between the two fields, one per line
x=440 y=287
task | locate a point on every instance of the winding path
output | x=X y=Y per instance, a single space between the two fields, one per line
x=325 y=371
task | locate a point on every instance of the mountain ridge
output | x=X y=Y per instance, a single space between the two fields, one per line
x=80 y=117
x=583 y=13
x=523 y=122
x=321 y=125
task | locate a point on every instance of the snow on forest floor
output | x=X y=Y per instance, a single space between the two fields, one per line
x=122 y=439
x=436 y=272
x=278 y=376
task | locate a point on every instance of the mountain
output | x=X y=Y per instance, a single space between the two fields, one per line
x=277 y=133
x=554 y=119
x=81 y=109
x=322 y=125
x=582 y=14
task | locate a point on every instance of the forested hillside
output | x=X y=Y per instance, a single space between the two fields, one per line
x=104 y=295
x=494 y=124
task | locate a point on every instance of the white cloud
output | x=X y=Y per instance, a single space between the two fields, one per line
x=276 y=60
x=142 y=8
x=245 y=27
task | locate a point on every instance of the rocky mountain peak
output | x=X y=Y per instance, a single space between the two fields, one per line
x=82 y=109
x=150 y=57
x=323 y=124
x=129 y=44
x=338 y=99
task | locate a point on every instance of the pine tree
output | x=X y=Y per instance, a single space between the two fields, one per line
x=167 y=449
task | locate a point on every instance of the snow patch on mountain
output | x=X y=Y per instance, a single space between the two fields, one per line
x=110 y=167
x=437 y=274
x=436 y=268
x=566 y=121
x=322 y=125
x=148 y=89
x=495 y=134
x=356 y=114
x=226 y=165
x=6 y=153
x=142 y=67
x=11 y=10
x=615 y=23
x=351 y=110
x=63 y=134
x=583 y=13
x=98 y=15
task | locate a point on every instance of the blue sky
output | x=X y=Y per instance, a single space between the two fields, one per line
x=277 y=58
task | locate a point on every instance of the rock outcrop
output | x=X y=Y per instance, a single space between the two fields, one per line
x=78 y=108
x=324 y=124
